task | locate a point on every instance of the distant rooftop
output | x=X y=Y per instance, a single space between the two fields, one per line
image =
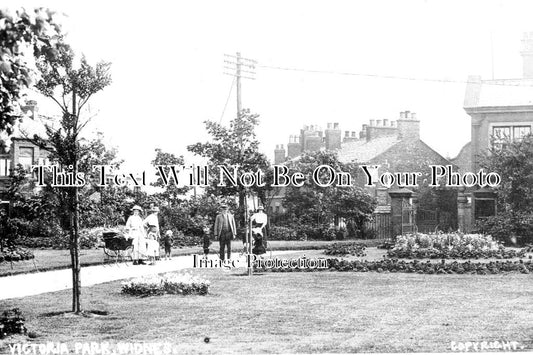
x=498 y=93
x=362 y=151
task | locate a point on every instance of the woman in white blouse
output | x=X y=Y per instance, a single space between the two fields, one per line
x=135 y=231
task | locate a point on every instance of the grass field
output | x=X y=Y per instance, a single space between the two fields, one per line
x=56 y=259
x=300 y=312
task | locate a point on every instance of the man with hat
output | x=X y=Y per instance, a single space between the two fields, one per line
x=225 y=230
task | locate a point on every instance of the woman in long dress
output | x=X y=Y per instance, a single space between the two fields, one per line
x=151 y=225
x=135 y=231
x=259 y=223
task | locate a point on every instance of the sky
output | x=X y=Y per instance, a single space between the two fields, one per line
x=168 y=65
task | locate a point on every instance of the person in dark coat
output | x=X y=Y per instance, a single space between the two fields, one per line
x=225 y=230
x=259 y=225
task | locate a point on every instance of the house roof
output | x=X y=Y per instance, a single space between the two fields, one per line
x=463 y=160
x=498 y=93
x=363 y=151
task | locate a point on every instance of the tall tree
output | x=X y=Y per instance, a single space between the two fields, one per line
x=21 y=32
x=316 y=205
x=514 y=164
x=171 y=192
x=70 y=87
x=513 y=161
x=235 y=145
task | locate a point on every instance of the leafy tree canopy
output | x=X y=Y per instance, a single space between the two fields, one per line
x=21 y=33
x=514 y=164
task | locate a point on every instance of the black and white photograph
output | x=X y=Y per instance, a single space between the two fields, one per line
x=266 y=177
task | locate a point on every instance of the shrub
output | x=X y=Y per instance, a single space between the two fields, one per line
x=511 y=228
x=282 y=233
x=414 y=266
x=12 y=322
x=450 y=245
x=342 y=249
x=169 y=283
x=15 y=254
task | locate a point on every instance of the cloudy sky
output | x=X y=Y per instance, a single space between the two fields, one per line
x=343 y=61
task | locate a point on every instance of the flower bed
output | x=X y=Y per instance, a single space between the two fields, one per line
x=169 y=283
x=451 y=245
x=11 y=322
x=15 y=254
x=342 y=249
x=414 y=266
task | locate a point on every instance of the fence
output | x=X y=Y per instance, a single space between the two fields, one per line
x=381 y=225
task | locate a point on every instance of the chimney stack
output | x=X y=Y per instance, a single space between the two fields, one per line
x=408 y=126
x=294 y=148
x=333 y=136
x=527 y=55
x=279 y=154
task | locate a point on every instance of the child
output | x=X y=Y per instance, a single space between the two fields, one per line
x=152 y=245
x=167 y=239
x=206 y=242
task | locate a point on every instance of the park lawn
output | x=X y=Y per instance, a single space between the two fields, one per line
x=51 y=259
x=299 y=312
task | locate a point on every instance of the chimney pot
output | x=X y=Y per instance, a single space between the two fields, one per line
x=393 y=123
x=364 y=127
x=353 y=134
x=385 y=122
x=413 y=116
x=336 y=125
x=330 y=125
x=378 y=123
x=282 y=147
x=347 y=133
x=402 y=114
x=372 y=123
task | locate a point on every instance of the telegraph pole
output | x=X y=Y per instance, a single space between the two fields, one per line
x=242 y=65
x=239 y=67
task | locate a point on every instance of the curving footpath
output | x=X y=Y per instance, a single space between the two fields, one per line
x=50 y=281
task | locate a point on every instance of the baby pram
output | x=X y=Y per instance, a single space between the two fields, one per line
x=116 y=246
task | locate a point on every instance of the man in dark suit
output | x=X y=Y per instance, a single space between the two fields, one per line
x=225 y=230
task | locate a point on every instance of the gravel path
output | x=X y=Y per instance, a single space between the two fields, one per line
x=50 y=281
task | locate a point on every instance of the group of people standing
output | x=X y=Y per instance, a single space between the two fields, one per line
x=145 y=235
x=225 y=231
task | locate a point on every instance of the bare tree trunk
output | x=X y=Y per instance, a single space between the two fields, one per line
x=75 y=240
x=76 y=267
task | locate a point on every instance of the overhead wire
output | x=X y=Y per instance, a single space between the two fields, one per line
x=227 y=100
x=500 y=82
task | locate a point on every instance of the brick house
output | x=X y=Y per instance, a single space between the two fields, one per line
x=18 y=150
x=499 y=110
x=395 y=145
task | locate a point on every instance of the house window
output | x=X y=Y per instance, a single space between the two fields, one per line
x=503 y=134
x=44 y=161
x=519 y=132
x=26 y=158
x=5 y=165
